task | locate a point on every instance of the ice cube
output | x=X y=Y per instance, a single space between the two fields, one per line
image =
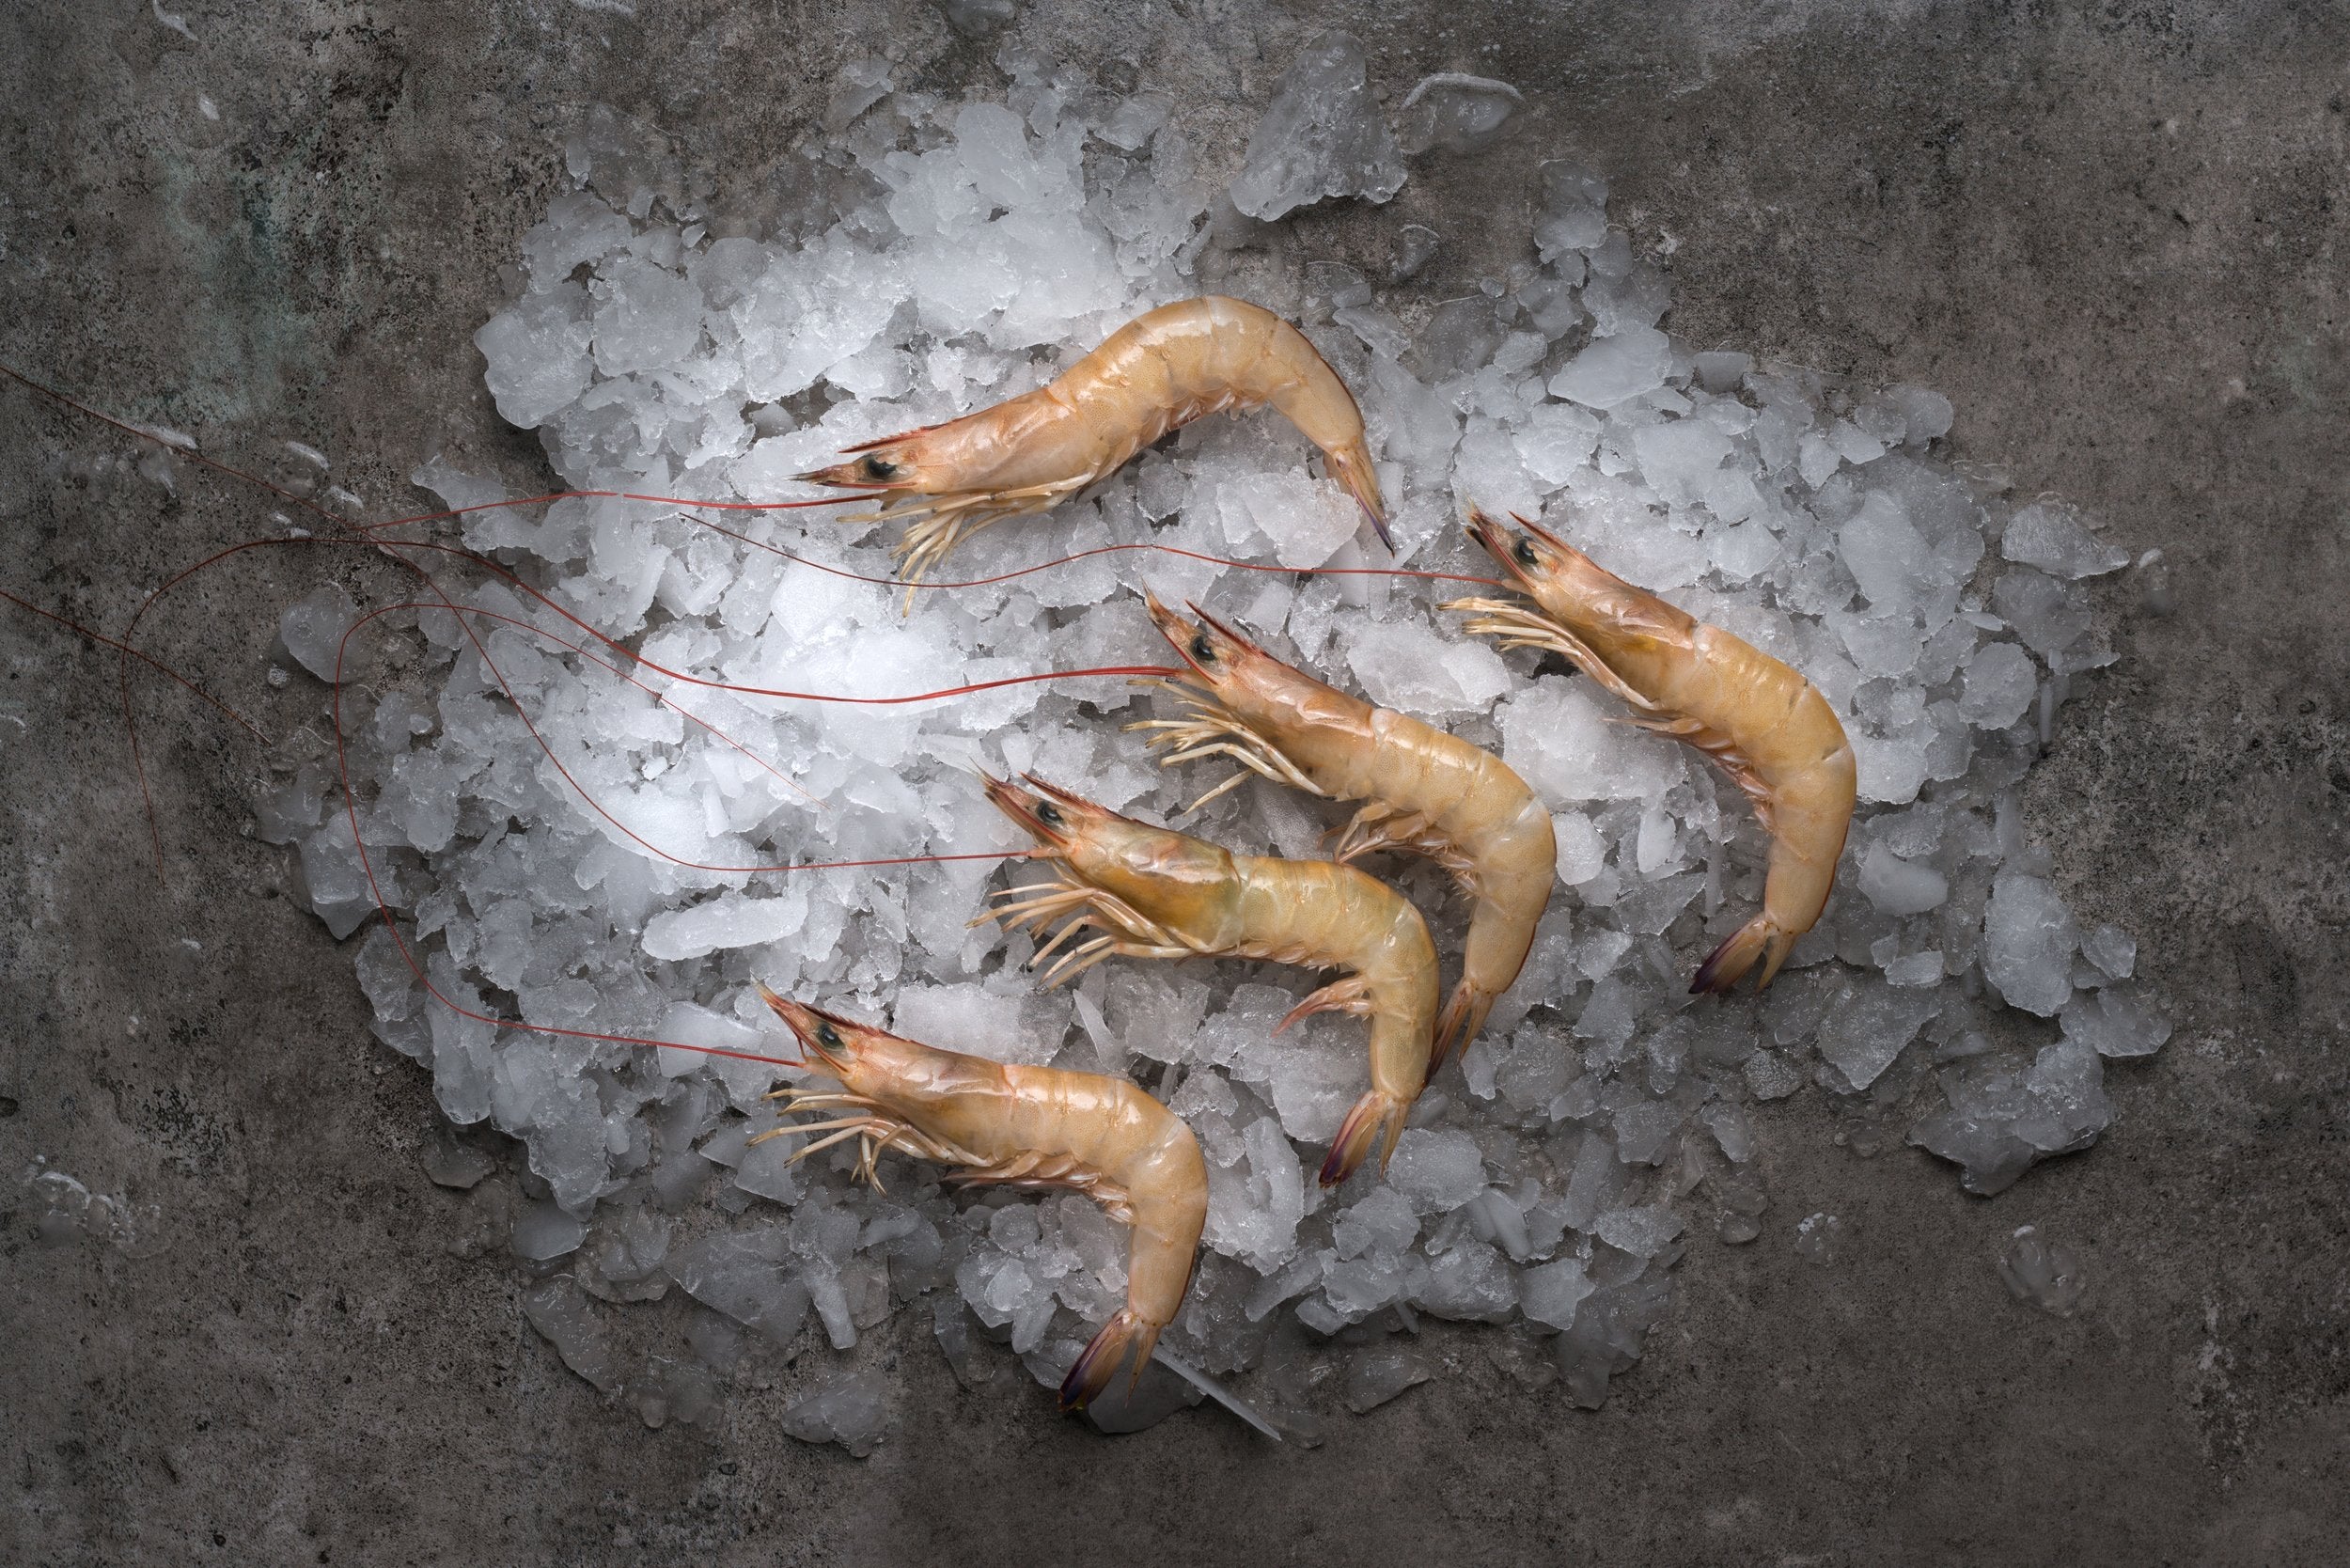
x=853 y=1409
x=1575 y=211
x=1643 y=1232
x=1405 y=666
x=1898 y=887
x=1614 y=370
x=1550 y=1293
x=734 y=920
x=1868 y=1025
x=2029 y=938
x=2047 y=617
x=558 y=1310
x=2113 y=949
x=2116 y=1021
x=1468 y=1283
x=536 y=354
x=1322 y=135
x=314 y=628
x=1377 y=1373
x=2054 y=538
x=1438 y=1171
x=1999 y=687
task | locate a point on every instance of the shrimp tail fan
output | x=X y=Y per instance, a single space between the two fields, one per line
x=1758 y=938
x=1375 y=1121
x=1126 y=1336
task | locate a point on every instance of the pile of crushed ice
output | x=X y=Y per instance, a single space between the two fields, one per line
x=936 y=256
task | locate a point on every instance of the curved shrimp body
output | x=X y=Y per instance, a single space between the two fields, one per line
x=1161 y=370
x=1427 y=792
x=1027 y=1127
x=1768 y=728
x=1153 y=893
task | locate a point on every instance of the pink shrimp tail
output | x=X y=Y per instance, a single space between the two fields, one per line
x=1352 y=469
x=1463 y=1014
x=1730 y=962
x=1377 y=1120
x=1127 y=1334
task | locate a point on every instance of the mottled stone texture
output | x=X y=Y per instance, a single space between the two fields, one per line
x=2113 y=234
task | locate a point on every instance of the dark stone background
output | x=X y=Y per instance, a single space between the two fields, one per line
x=2113 y=234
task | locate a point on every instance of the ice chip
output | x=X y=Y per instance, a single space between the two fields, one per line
x=313 y=630
x=1405 y=666
x=2113 y=949
x=1322 y=135
x=1614 y=370
x=1573 y=211
x=2054 y=538
x=734 y=920
x=1437 y=1170
x=1642 y=1232
x=560 y=1314
x=853 y=1409
x=1379 y=1372
x=1550 y=1293
x=1998 y=686
x=2116 y=1021
x=536 y=354
x=1898 y=887
x=2029 y=936
x=1868 y=1024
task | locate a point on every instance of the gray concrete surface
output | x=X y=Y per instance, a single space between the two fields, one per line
x=2114 y=234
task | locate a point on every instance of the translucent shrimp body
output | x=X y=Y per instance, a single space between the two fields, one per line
x=1767 y=728
x=1153 y=893
x=1027 y=1127
x=1427 y=792
x=1159 y=371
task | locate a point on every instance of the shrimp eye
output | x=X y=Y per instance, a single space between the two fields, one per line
x=1201 y=648
x=879 y=468
x=1047 y=813
x=1523 y=550
x=828 y=1037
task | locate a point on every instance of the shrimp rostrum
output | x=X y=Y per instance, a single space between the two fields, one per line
x=1763 y=724
x=1025 y=1127
x=1163 y=369
x=1424 y=791
x=1154 y=893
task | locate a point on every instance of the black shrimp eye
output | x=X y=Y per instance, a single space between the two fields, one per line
x=1201 y=648
x=828 y=1036
x=1047 y=813
x=879 y=468
x=1523 y=550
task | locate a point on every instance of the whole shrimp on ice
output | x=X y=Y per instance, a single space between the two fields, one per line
x=1154 y=893
x=1426 y=791
x=1163 y=369
x=1767 y=727
x=1025 y=1127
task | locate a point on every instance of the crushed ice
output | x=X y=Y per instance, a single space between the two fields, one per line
x=940 y=256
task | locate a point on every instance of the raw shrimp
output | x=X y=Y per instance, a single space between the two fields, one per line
x=1767 y=727
x=1163 y=369
x=1024 y=1127
x=1154 y=893
x=1426 y=791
